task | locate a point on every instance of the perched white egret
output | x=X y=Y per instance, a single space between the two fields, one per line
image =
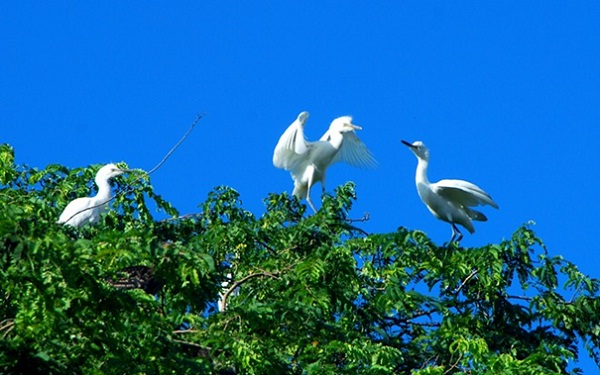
x=449 y=200
x=79 y=212
x=308 y=161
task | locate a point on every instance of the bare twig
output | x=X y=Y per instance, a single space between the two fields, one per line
x=198 y=117
x=363 y=219
x=126 y=191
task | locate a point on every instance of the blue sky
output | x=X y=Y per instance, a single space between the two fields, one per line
x=505 y=94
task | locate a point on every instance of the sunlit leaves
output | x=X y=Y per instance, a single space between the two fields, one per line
x=7 y=168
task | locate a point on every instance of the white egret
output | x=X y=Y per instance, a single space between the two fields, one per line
x=308 y=161
x=79 y=211
x=449 y=200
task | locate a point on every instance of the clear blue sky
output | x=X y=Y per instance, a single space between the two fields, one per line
x=505 y=94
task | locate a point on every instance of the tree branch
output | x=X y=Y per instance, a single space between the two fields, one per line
x=182 y=217
x=366 y=217
x=454 y=365
x=465 y=281
x=185 y=331
x=128 y=190
x=7 y=325
x=235 y=285
x=192 y=344
x=198 y=117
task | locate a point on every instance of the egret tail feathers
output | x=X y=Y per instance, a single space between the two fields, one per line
x=475 y=215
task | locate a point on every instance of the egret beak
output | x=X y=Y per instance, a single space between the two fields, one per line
x=355 y=127
x=129 y=170
x=407 y=144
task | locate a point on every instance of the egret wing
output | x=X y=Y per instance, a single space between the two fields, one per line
x=354 y=152
x=325 y=137
x=77 y=211
x=291 y=146
x=463 y=193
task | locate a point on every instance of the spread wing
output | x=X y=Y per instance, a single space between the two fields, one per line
x=354 y=152
x=292 y=144
x=463 y=193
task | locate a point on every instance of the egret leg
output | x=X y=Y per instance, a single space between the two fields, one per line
x=310 y=203
x=456 y=234
x=310 y=184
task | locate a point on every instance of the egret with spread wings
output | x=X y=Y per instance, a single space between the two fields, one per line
x=308 y=161
x=449 y=200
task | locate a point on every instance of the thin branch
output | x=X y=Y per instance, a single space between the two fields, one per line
x=266 y=246
x=421 y=313
x=182 y=217
x=358 y=230
x=235 y=285
x=273 y=274
x=192 y=344
x=424 y=324
x=366 y=217
x=428 y=360
x=409 y=319
x=186 y=331
x=126 y=191
x=6 y=322
x=198 y=117
x=575 y=293
x=7 y=325
x=248 y=277
x=454 y=365
x=524 y=298
x=465 y=281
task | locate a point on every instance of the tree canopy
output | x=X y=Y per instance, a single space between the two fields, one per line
x=304 y=294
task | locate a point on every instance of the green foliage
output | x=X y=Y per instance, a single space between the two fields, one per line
x=305 y=294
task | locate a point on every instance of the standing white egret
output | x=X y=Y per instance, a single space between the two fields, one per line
x=79 y=212
x=308 y=161
x=449 y=200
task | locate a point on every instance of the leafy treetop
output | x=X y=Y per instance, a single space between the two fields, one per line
x=304 y=295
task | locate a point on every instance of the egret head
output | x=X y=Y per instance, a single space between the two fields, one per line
x=109 y=171
x=343 y=124
x=419 y=149
x=302 y=117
